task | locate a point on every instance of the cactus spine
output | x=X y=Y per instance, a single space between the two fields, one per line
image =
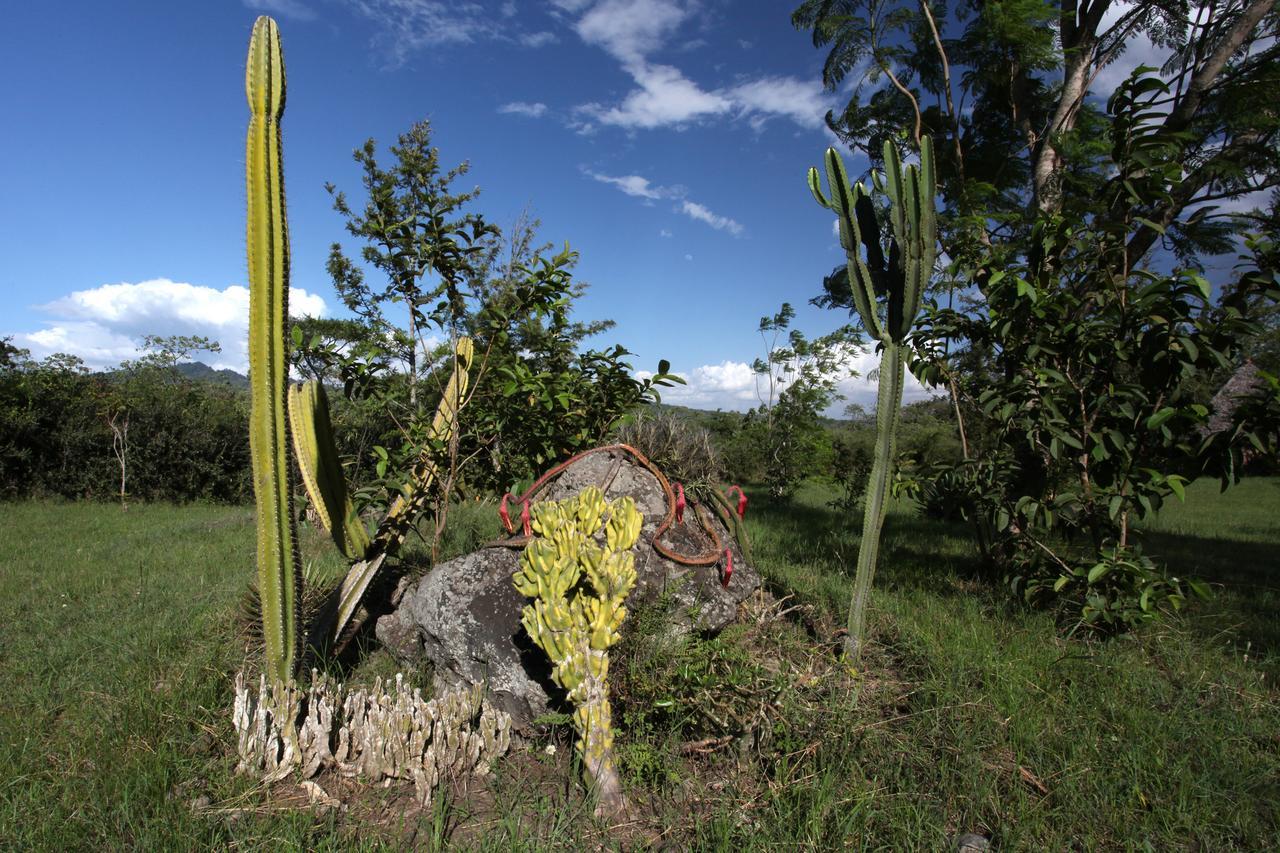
x=576 y=625
x=279 y=568
x=901 y=280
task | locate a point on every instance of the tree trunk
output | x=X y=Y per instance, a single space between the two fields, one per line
x=1079 y=34
x=413 y=363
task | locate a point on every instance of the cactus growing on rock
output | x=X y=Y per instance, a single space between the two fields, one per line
x=901 y=279
x=575 y=624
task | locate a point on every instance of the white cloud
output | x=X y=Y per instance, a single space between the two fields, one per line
x=508 y=9
x=727 y=385
x=665 y=232
x=104 y=325
x=635 y=185
x=699 y=212
x=802 y=102
x=629 y=29
x=734 y=386
x=539 y=39
x=688 y=257
x=665 y=98
x=521 y=108
x=284 y=8
x=407 y=26
x=641 y=187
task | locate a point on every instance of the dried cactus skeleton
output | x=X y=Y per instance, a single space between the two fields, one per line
x=379 y=734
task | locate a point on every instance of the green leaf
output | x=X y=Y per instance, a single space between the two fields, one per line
x=1099 y=572
x=1191 y=349
x=1160 y=417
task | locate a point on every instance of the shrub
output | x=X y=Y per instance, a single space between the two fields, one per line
x=680 y=449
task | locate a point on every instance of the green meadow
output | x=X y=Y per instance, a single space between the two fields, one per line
x=970 y=714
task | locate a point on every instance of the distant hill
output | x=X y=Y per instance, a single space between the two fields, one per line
x=201 y=372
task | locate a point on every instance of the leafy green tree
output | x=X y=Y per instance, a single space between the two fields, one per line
x=187 y=440
x=1091 y=397
x=419 y=236
x=798 y=382
x=536 y=393
x=1004 y=89
x=541 y=395
x=1052 y=209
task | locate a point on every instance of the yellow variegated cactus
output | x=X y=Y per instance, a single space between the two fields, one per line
x=575 y=624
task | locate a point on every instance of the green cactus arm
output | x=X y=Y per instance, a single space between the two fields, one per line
x=927 y=234
x=843 y=201
x=321 y=471
x=861 y=283
x=729 y=518
x=279 y=567
x=815 y=187
x=918 y=239
x=893 y=187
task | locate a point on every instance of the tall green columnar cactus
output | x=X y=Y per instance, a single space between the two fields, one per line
x=279 y=568
x=576 y=625
x=900 y=281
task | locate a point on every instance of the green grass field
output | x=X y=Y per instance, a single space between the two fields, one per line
x=971 y=714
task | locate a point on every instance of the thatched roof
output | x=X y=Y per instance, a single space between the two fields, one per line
x=1241 y=384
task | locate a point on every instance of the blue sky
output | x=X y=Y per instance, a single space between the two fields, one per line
x=666 y=140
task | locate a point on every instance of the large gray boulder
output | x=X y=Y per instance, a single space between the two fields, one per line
x=465 y=614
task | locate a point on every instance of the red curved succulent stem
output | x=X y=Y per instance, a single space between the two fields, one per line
x=680 y=503
x=742 y=500
x=504 y=514
x=728 y=568
x=525 y=519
